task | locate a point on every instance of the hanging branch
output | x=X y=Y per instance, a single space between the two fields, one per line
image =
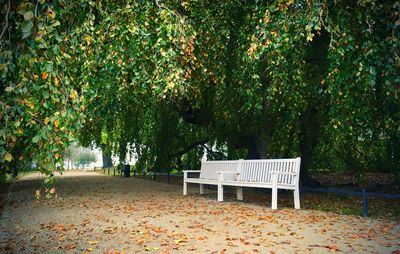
x=7 y=14
x=190 y=147
x=36 y=8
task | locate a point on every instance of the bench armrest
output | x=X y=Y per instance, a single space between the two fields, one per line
x=276 y=174
x=185 y=173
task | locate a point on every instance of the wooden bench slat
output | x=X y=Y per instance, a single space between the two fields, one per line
x=264 y=173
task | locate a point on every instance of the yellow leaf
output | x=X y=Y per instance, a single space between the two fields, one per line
x=44 y=75
x=56 y=81
x=88 y=38
x=56 y=123
x=8 y=157
x=73 y=94
x=46 y=120
x=31 y=105
x=57 y=155
x=93 y=242
x=180 y=240
x=57 y=113
x=51 y=13
x=21 y=158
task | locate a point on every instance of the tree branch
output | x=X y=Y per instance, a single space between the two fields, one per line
x=190 y=147
x=7 y=14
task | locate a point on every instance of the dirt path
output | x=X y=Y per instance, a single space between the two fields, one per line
x=101 y=214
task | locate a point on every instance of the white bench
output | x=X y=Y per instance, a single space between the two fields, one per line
x=273 y=174
x=208 y=173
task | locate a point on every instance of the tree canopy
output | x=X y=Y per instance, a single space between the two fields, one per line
x=169 y=80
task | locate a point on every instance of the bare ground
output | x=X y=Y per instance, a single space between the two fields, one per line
x=101 y=214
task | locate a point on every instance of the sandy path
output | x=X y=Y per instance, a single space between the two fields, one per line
x=96 y=214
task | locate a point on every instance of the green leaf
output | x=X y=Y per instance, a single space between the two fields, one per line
x=49 y=67
x=56 y=23
x=46 y=94
x=26 y=29
x=9 y=89
x=28 y=15
x=372 y=70
x=35 y=139
x=66 y=55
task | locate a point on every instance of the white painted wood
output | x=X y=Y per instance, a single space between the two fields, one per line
x=271 y=173
x=184 y=183
x=274 y=202
x=239 y=193
x=274 y=174
x=220 y=187
x=208 y=173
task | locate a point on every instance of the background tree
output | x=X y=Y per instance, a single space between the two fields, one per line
x=169 y=80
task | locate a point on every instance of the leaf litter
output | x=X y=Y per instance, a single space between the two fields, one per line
x=115 y=215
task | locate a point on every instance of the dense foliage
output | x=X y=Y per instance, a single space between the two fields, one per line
x=168 y=80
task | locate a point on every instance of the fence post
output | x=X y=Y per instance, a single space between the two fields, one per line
x=364 y=203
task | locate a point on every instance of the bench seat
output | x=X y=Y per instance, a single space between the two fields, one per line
x=257 y=185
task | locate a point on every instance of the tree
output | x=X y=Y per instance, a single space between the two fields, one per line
x=171 y=79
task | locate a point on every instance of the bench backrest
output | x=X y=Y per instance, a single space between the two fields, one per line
x=261 y=170
x=209 y=169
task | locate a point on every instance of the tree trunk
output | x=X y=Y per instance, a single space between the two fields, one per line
x=316 y=115
x=106 y=156
x=256 y=147
x=308 y=141
x=395 y=156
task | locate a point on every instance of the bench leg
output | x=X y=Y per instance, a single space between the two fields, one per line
x=274 y=204
x=239 y=193
x=220 y=192
x=184 y=188
x=296 y=195
x=201 y=189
